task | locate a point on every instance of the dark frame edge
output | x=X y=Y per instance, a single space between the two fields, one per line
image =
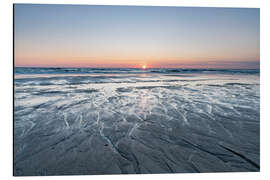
x=13 y=67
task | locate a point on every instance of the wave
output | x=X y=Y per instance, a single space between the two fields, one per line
x=30 y=70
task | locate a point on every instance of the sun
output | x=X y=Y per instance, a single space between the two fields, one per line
x=143 y=66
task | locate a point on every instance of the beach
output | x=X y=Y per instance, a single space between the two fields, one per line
x=124 y=121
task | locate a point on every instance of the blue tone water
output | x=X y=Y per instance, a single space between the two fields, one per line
x=28 y=70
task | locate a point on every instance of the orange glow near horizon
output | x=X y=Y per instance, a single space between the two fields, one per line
x=129 y=60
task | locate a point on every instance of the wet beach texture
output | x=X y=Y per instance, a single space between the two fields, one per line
x=126 y=123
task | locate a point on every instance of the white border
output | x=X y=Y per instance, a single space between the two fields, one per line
x=6 y=85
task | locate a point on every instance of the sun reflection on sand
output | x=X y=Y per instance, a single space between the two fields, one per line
x=143 y=102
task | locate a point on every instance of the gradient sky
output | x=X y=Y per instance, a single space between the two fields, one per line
x=132 y=36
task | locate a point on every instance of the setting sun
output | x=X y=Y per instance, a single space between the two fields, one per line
x=144 y=66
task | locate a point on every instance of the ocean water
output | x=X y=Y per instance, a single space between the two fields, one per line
x=125 y=121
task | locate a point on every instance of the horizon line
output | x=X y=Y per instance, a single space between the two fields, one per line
x=62 y=67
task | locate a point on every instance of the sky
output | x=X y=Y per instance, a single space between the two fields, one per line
x=136 y=36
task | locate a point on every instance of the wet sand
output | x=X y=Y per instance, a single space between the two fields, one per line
x=136 y=123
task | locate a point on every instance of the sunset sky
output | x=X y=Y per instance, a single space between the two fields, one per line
x=136 y=36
